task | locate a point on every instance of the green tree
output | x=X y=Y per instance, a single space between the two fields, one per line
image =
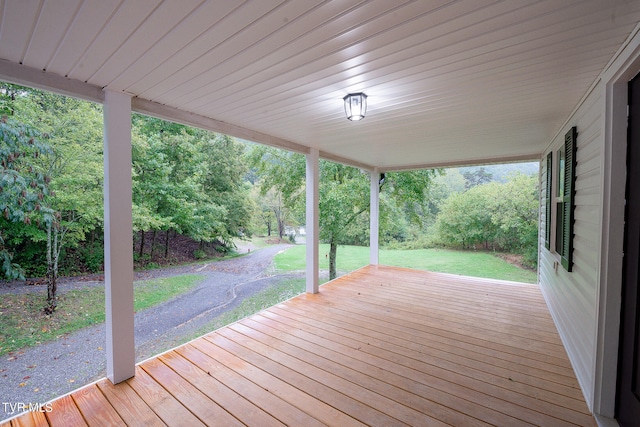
x=476 y=176
x=190 y=181
x=465 y=219
x=76 y=170
x=24 y=185
x=495 y=215
x=343 y=195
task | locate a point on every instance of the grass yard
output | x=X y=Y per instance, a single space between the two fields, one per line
x=24 y=324
x=466 y=263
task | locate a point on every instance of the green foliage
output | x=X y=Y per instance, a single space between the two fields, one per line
x=494 y=216
x=188 y=180
x=476 y=176
x=24 y=185
x=344 y=197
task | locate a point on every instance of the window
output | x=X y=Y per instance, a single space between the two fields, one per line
x=547 y=204
x=565 y=199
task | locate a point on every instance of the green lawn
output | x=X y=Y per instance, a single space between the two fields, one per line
x=23 y=323
x=466 y=263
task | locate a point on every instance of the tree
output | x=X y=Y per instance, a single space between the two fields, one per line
x=76 y=170
x=476 y=176
x=23 y=183
x=494 y=215
x=343 y=195
x=465 y=219
x=190 y=181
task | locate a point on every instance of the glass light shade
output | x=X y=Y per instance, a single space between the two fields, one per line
x=355 y=106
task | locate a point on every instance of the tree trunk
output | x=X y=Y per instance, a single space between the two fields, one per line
x=166 y=246
x=141 y=243
x=332 y=259
x=153 y=243
x=52 y=285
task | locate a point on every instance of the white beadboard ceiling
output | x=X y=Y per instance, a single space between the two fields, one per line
x=449 y=82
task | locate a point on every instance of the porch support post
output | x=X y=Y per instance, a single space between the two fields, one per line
x=118 y=237
x=312 y=227
x=374 y=217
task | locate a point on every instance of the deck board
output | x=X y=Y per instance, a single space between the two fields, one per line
x=379 y=346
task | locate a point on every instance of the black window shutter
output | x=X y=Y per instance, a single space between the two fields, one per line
x=547 y=206
x=568 y=200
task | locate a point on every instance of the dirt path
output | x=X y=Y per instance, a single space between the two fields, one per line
x=42 y=373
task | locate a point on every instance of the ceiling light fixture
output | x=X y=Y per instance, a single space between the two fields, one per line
x=355 y=106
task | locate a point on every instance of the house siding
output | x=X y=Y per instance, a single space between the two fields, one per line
x=572 y=297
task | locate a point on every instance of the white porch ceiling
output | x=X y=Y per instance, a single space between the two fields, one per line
x=449 y=82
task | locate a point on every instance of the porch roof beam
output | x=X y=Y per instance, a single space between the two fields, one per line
x=31 y=77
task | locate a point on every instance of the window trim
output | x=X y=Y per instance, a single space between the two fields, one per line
x=565 y=199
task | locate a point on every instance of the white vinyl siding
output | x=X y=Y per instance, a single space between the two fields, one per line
x=572 y=297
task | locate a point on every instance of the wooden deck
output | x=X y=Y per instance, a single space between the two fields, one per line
x=380 y=346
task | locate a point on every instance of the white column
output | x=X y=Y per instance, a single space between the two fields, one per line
x=312 y=228
x=118 y=237
x=374 y=220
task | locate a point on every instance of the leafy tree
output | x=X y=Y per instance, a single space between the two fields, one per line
x=24 y=184
x=494 y=215
x=515 y=213
x=190 y=181
x=76 y=170
x=343 y=195
x=476 y=176
x=465 y=219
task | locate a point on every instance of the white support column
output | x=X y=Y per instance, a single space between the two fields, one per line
x=374 y=219
x=118 y=237
x=312 y=228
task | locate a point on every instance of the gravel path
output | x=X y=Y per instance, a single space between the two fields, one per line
x=42 y=373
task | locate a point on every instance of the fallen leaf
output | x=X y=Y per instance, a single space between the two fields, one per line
x=27 y=377
x=72 y=380
x=100 y=348
x=35 y=390
x=22 y=384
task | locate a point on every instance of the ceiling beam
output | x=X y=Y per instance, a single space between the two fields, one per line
x=154 y=109
x=12 y=72
x=533 y=157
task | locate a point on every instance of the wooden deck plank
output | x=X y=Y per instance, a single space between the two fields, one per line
x=518 y=349
x=461 y=387
x=30 y=419
x=167 y=407
x=382 y=345
x=341 y=399
x=65 y=413
x=541 y=389
x=497 y=363
x=189 y=396
x=500 y=333
x=353 y=322
x=349 y=325
x=95 y=408
x=421 y=399
x=238 y=406
x=269 y=402
x=131 y=408
x=306 y=402
x=472 y=307
x=378 y=392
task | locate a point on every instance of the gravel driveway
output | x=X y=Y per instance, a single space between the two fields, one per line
x=42 y=373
